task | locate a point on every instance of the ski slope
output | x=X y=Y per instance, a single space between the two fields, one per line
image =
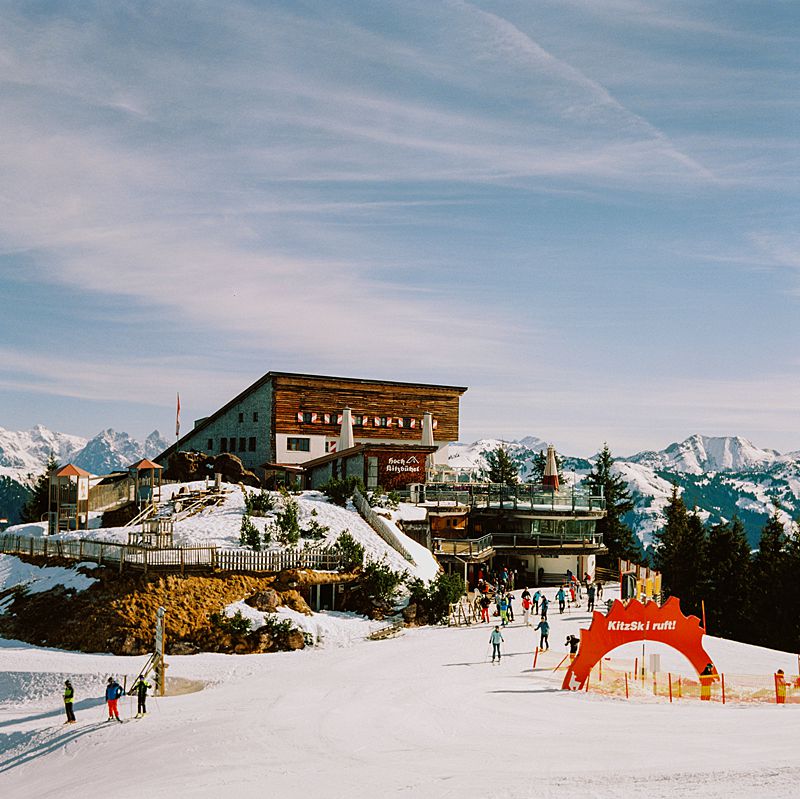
x=422 y=715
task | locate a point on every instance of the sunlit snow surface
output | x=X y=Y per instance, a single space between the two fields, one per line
x=421 y=715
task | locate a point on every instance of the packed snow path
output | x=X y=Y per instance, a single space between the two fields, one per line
x=424 y=715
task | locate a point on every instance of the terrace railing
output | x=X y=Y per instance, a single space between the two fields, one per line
x=462 y=547
x=524 y=496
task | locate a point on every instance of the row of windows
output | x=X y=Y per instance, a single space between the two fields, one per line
x=360 y=420
x=232 y=444
x=255 y=417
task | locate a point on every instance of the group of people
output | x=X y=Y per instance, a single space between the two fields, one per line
x=113 y=693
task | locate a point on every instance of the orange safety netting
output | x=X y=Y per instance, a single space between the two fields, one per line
x=626 y=679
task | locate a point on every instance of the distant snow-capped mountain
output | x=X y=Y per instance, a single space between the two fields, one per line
x=700 y=454
x=24 y=454
x=719 y=476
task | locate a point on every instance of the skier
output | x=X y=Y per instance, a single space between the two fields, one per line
x=526 y=609
x=510 y=599
x=590 y=597
x=140 y=689
x=572 y=643
x=503 y=611
x=544 y=605
x=69 y=696
x=544 y=626
x=495 y=639
x=485 y=604
x=536 y=597
x=599 y=586
x=113 y=693
x=562 y=599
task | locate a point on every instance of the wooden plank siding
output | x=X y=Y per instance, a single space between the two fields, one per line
x=368 y=398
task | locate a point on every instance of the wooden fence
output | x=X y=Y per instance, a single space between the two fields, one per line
x=111 y=553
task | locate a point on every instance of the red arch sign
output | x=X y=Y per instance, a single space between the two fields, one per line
x=637 y=622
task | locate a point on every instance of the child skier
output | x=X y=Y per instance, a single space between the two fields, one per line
x=140 y=689
x=544 y=605
x=544 y=626
x=503 y=611
x=495 y=639
x=572 y=643
x=69 y=697
x=113 y=693
x=590 y=597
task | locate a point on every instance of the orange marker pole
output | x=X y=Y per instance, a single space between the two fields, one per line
x=680 y=687
x=626 y=685
x=655 y=683
x=601 y=669
x=636 y=668
x=703 y=606
x=669 y=682
x=535 y=656
x=586 y=688
x=723 y=688
x=562 y=660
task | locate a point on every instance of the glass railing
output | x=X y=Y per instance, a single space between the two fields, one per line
x=527 y=496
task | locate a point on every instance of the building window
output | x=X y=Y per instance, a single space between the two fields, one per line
x=358 y=420
x=232 y=445
x=307 y=417
x=383 y=421
x=251 y=444
x=406 y=422
x=255 y=416
x=241 y=418
x=372 y=473
x=298 y=444
x=243 y=444
x=210 y=444
x=223 y=445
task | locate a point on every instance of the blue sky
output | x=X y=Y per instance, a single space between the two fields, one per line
x=585 y=210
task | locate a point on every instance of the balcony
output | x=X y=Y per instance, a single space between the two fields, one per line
x=523 y=497
x=464 y=548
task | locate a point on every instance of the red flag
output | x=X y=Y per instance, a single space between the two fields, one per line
x=178 y=418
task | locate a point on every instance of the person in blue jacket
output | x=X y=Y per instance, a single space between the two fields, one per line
x=544 y=626
x=503 y=606
x=495 y=639
x=113 y=693
x=545 y=603
x=536 y=597
x=562 y=599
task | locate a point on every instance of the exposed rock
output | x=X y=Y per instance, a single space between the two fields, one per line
x=296 y=602
x=266 y=601
x=182 y=648
x=410 y=613
x=233 y=471
x=261 y=640
x=295 y=640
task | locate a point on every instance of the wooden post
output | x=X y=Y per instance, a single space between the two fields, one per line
x=669 y=682
x=121 y=558
x=626 y=685
x=144 y=557
x=80 y=549
x=655 y=683
x=182 y=563
x=101 y=555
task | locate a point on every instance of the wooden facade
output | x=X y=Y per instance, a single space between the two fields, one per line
x=400 y=404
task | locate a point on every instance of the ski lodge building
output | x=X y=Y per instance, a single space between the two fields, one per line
x=292 y=425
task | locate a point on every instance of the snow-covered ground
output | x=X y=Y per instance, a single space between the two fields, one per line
x=37 y=579
x=422 y=715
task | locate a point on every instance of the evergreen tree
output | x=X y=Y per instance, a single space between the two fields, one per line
x=501 y=468
x=617 y=536
x=791 y=632
x=728 y=601
x=771 y=578
x=538 y=466
x=38 y=504
x=680 y=554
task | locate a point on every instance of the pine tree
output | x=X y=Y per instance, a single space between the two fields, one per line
x=38 y=505
x=680 y=554
x=617 y=536
x=791 y=632
x=771 y=578
x=728 y=603
x=501 y=468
